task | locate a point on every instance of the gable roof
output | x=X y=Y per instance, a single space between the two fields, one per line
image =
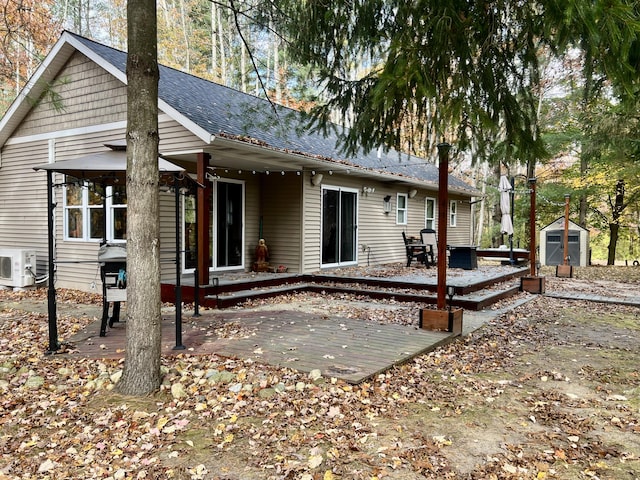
x=558 y=224
x=210 y=110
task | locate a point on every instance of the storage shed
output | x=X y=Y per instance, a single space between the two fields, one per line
x=552 y=244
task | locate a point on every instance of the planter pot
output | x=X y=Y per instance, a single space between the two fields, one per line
x=532 y=284
x=442 y=320
x=564 y=271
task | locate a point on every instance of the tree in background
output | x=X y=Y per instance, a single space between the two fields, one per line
x=452 y=68
x=27 y=32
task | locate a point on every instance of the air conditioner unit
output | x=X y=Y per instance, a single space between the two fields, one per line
x=17 y=267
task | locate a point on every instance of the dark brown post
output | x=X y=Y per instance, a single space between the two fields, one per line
x=566 y=230
x=532 y=227
x=443 y=207
x=204 y=215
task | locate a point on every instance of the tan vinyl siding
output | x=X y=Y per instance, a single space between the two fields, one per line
x=311 y=223
x=379 y=231
x=461 y=233
x=252 y=212
x=168 y=235
x=175 y=138
x=23 y=201
x=281 y=209
x=87 y=95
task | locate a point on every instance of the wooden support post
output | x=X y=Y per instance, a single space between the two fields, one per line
x=204 y=215
x=443 y=208
x=532 y=283
x=565 y=270
x=532 y=227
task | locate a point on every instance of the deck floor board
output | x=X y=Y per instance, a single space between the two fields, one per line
x=350 y=349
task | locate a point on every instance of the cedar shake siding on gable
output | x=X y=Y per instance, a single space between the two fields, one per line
x=88 y=95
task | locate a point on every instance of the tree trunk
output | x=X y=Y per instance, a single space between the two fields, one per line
x=617 y=207
x=613 y=242
x=141 y=373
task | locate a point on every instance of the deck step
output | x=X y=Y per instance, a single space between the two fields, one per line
x=477 y=300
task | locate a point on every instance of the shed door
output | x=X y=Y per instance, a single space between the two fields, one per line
x=555 y=247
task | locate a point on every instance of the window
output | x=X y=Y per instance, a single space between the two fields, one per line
x=401 y=209
x=430 y=213
x=453 y=213
x=118 y=208
x=84 y=212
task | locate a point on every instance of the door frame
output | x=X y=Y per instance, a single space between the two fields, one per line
x=214 y=237
x=355 y=193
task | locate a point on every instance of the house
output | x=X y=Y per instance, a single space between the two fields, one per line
x=263 y=176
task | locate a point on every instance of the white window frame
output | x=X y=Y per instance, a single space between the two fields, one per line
x=85 y=211
x=430 y=222
x=453 y=213
x=112 y=206
x=402 y=208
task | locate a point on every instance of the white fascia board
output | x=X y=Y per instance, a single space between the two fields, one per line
x=34 y=87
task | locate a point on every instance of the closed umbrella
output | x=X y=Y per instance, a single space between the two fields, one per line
x=506 y=226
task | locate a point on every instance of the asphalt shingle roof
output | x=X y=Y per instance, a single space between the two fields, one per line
x=220 y=110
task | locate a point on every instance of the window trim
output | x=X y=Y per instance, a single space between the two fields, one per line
x=435 y=212
x=85 y=208
x=402 y=211
x=453 y=213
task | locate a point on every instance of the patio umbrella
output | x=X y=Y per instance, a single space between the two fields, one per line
x=506 y=226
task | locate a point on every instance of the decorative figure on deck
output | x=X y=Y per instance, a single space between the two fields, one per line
x=262 y=257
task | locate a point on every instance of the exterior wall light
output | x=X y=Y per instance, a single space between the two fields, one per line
x=413 y=192
x=316 y=179
x=386 y=204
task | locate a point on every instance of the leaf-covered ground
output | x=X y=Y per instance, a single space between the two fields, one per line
x=549 y=390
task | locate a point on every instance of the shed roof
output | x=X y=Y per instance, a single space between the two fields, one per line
x=558 y=224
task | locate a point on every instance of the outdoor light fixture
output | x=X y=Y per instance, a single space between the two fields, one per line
x=316 y=179
x=386 y=204
x=451 y=291
x=413 y=192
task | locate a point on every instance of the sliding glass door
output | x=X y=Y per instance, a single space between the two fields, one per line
x=339 y=226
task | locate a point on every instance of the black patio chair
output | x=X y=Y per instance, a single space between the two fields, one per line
x=414 y=250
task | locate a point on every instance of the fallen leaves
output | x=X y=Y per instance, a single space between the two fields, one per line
x=465 y=410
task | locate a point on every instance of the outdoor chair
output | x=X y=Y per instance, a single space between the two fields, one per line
x=428 y=238
x=414 y=250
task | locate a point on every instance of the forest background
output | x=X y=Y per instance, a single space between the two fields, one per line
x=590 y=128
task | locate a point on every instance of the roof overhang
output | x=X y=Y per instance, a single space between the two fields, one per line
x=243 y=155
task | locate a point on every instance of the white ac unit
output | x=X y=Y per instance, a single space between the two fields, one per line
x=17 y=267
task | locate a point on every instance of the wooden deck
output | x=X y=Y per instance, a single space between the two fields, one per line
x=352 y=350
